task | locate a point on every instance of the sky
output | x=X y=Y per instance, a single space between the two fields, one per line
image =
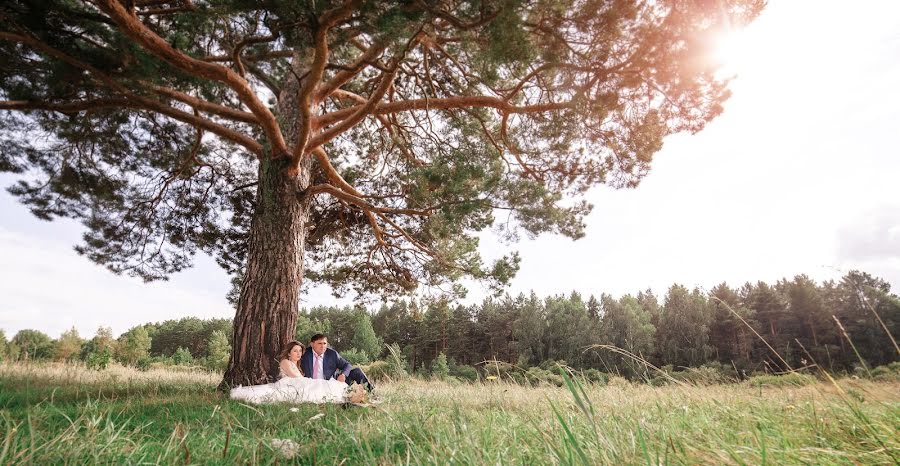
x=798 y=176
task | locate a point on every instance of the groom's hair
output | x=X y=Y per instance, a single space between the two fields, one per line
x=317 y=337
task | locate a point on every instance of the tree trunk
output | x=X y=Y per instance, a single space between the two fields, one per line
x=269 y=300
x=270 y=293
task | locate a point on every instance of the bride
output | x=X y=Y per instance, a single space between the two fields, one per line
x=293 y=387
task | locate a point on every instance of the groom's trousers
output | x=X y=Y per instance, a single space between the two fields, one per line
x=357 y=376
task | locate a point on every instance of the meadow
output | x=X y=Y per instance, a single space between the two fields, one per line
x=65 y=414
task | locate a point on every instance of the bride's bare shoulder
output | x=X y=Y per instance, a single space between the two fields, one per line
x=290 y=369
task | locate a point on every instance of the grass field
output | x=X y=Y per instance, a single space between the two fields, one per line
x=56 y=414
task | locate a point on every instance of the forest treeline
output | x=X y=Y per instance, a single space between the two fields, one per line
x=843 y=325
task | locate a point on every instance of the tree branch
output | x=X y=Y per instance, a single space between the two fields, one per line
x=388 y=126
x=65 y=107
x=236 y=52
x=135 y=100
x=205 y=106
x=143 y=3
x=342 y=77
x=257 y=57
x=316 y=70
x=456 y=22
x=304 y=95
x=368 y=209
x=143 y=104
x=515 y=150
x=544 y=67
x=446 y=103
x=359 y=112
x=264 y=78
x=140 y=33
x=188 y=6
x=362 y=203
x=332 y=174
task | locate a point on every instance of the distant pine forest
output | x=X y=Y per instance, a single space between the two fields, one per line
x=844 y=326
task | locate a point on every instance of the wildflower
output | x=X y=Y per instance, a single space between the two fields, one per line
x=491 y=377
x=356 y=394
x=286 y=447
x=317 y=416
x=294 y=410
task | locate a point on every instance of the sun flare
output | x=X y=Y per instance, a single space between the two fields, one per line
x=730 y=50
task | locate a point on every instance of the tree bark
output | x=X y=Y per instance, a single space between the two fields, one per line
x=267 y=308
x=269 y=300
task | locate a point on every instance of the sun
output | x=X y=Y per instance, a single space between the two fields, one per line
x=730 y=50
x=735 y=49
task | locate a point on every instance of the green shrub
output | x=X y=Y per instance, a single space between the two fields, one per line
x=662 y=377
x=517 y=376
x=380 y=371
x=537 y=375
x=888 y=373
x=505 y=371
x=143 y=364
x=377 y=371
x=98 y=360
x=708 y=374
x=397 y=365
x=703 y=375
x=618 y=382
x=440 y=369
x=551 y=365
x=355 y=356
x=463 y=372
x=182 y=357
x=218 y=351
x=596 y=377
x=792 y=379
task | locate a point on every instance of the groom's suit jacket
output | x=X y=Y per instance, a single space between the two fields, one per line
x=331 y=363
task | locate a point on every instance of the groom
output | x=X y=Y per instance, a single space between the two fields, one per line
x=322 y=362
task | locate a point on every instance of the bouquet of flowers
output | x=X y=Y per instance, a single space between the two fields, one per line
x=357 y=395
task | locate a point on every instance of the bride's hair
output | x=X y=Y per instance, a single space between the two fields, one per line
x=285 y=353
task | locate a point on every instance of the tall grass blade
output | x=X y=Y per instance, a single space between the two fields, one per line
x=730 y=309
x=643 y=444
x=8 y=440
x=570 y=436
x=849 y=340
x=853 y=408
x=865 y=300
x=578 y=394
x=636 y=358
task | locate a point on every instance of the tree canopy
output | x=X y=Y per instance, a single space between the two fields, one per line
x=146 y=120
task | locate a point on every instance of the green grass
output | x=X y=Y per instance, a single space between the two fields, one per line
x=55 y=414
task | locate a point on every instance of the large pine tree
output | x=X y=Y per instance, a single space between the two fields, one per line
x=357 y=143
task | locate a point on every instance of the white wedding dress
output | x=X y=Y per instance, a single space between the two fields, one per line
x=293 y=390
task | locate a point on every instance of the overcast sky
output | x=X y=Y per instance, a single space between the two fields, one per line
x=800 y=174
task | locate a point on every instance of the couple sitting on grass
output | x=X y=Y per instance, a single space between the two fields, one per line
x=309 y=377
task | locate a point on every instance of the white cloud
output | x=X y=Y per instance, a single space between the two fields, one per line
x=871 y=242
x=875 y=235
